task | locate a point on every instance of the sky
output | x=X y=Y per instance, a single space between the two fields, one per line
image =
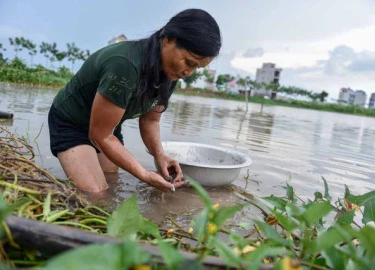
x=319 y=44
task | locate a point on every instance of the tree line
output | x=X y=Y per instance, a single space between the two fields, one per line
x=48 y=50
x=248 y=84
x=73 y=53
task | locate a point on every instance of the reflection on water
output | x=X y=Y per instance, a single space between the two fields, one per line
x=285 y=144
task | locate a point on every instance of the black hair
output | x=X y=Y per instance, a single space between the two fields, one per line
x=194 y=30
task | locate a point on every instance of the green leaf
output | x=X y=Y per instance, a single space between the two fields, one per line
x=326 y=190
x=271 y=233
x=287 y=222
x=238 y=240
x=245 y=225
x=56 y=215
x=367 y=239
x=201 y=192
x=316 y=211
x=6 y=209
x=294 y=211
x=334 y=258
x=347 y=192
x=226 y=253
x=331 y=237
x=223 y=213
x=369 y=211
x=125 y=220
x=150 y=228
x=326 y=240
x=92 y=257
x=346 y=218
x=290 y=193
x=132 y=255
x=278 y=202
x=362 y=199
x=318 y=195
x=200 y=223
x=47 y=206
x=265 y=250
x=171 y=256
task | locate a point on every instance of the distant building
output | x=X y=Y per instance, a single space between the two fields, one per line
x=346 y=96
x=267 y=74
x=120 y=38
x=351 y=97
x=360 y=98
x=372 y=101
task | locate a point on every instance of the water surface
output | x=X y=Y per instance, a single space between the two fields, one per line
x=291 y=145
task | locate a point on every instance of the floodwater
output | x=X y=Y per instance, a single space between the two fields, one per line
x=286 y=145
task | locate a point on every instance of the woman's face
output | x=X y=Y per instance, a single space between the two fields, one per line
x=177 y=62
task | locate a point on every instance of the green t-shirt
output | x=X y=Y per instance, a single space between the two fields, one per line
x=114 y=72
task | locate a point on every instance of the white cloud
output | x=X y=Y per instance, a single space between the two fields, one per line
x=253 y=52
x=359 y=39
x=345 y=59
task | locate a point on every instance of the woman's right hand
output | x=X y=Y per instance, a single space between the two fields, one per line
x=156 y=180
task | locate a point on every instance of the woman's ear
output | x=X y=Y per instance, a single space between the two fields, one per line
x=168 y=41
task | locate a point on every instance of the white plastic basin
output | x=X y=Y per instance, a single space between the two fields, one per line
x=207 y=164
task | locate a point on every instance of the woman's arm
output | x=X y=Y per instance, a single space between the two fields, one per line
x=149 y=125
x=105 y=116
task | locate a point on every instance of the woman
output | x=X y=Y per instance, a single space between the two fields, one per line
x=123 y=81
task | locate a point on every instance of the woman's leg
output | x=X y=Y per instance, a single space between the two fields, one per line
x=106 y=164
x=81 y=165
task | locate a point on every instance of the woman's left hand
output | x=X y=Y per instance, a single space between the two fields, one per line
x=170 y=168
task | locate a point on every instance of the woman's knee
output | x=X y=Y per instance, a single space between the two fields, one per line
x=82 y=166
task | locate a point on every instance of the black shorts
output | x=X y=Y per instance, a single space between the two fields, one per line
x=65 y=135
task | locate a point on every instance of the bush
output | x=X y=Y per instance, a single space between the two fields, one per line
x=25 y=76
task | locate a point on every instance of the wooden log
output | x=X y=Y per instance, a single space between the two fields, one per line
x=5 y=115
x=54 y=239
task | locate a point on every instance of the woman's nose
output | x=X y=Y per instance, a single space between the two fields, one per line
x=188 y=73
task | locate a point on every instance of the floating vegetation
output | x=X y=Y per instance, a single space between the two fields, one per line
x=317 y=233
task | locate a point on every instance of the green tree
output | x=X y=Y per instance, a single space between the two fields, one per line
x=65 y=72
x=83 y=55
x=73 y=53
x=17 y=44
x=242 y=82
x=192 y=78
x=223 y=80
x=60 y=56
x=44 y=49
x=53 y=51
x=2 y=60
x=208 y=77
x=30 y=46
x=18 y=63
x=274 y=87
x=323 y=95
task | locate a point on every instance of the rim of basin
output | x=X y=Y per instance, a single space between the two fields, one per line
x=246 y=159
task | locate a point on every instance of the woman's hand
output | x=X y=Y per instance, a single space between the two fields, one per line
x=170 y=168
x=156 y=180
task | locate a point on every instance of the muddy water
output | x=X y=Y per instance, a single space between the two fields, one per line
x=286 y=145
